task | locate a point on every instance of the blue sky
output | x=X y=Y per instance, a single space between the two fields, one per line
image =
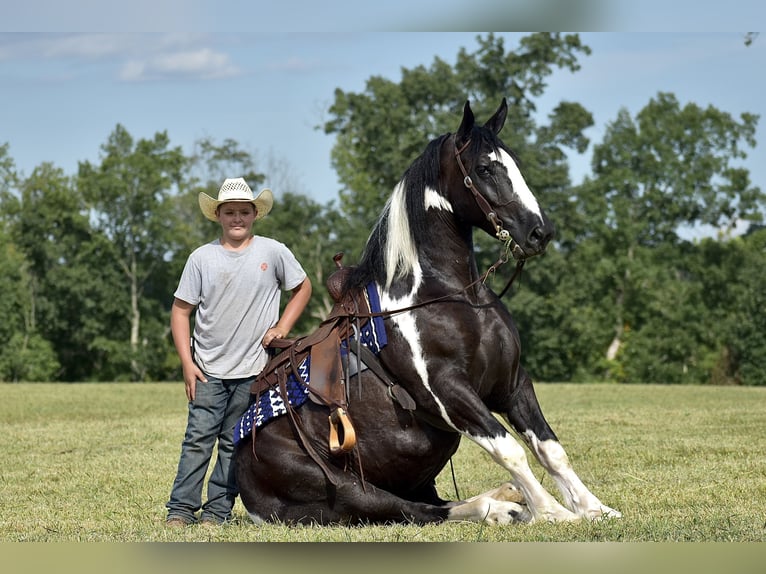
x=63 y=92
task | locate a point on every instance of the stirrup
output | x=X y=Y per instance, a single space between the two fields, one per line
x=349 y=435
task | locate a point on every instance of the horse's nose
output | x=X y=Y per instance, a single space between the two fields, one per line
x=540 y=236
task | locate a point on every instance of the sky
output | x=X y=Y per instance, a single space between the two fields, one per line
x=66 y=82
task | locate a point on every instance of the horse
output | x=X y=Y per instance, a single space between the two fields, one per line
x=452 y=345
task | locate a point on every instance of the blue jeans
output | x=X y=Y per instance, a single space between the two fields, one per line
x=217 y=406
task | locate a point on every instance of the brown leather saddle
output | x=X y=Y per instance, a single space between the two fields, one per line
x=327 y=380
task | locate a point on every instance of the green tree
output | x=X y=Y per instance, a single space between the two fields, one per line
x=672 y=166
x=729 y=275
x=12 y=261
x=70 y=296
x=746 y=324
x=129 y=199
x=8 y=176
x=25 y=353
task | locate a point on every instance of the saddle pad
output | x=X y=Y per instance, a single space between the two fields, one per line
x=271 y=404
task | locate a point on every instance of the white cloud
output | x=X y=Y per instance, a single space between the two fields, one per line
x=133 y=57
x=192 y=64
x=33 y=47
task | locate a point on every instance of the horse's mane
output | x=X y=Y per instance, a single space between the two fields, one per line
x=391 y=249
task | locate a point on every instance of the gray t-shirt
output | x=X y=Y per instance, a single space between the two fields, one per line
x=237 y=294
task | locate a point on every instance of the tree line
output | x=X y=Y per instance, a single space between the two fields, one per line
x=90 y=260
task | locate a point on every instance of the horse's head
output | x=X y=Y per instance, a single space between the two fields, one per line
x=493 y=190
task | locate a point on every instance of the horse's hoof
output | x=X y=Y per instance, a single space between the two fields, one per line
x=557 y=515
x=503 y=513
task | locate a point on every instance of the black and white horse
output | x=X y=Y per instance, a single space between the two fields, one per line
x=458 y=357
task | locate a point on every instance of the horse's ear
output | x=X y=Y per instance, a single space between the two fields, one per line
x=464 y=131
x=496 y=122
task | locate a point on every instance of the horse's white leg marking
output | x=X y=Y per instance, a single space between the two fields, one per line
x=520 y=187
x=576 y=495
x=505 y=491
x=505 y=450
x=408 y=328
x=511 y=455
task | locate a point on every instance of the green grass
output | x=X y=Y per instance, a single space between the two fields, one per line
x=95 y=462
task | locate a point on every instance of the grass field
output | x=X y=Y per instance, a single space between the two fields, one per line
x=95 y=462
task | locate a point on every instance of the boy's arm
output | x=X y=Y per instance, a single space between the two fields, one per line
x=299 y=298
x=180 y=313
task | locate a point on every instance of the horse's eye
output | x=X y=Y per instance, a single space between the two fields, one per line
x=482 y=170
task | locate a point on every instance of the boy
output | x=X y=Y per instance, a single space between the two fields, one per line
x=234 y=284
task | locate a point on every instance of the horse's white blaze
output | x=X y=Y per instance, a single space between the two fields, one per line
x=435 y=200
x=510 y=454
x=576 y=495
x=520 y=187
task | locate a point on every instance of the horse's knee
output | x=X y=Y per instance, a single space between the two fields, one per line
x=506 y=451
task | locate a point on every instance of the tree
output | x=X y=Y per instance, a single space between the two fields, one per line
x=25 y=242
x=12 y=261
x=745 y=328
x=25 y=355
x=729 y=276
x=52 y=229
x=672 y=166
x=129 y=199
x=69 y=295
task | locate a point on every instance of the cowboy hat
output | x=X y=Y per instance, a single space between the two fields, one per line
x=236 y=189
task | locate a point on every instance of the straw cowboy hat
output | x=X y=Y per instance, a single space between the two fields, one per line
x=236 y=189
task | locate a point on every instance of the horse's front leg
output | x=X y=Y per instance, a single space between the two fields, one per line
x=527 y=419
x=468 y=415
x=507 y=452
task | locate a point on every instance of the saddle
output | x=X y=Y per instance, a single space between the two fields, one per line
x=323 y=348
